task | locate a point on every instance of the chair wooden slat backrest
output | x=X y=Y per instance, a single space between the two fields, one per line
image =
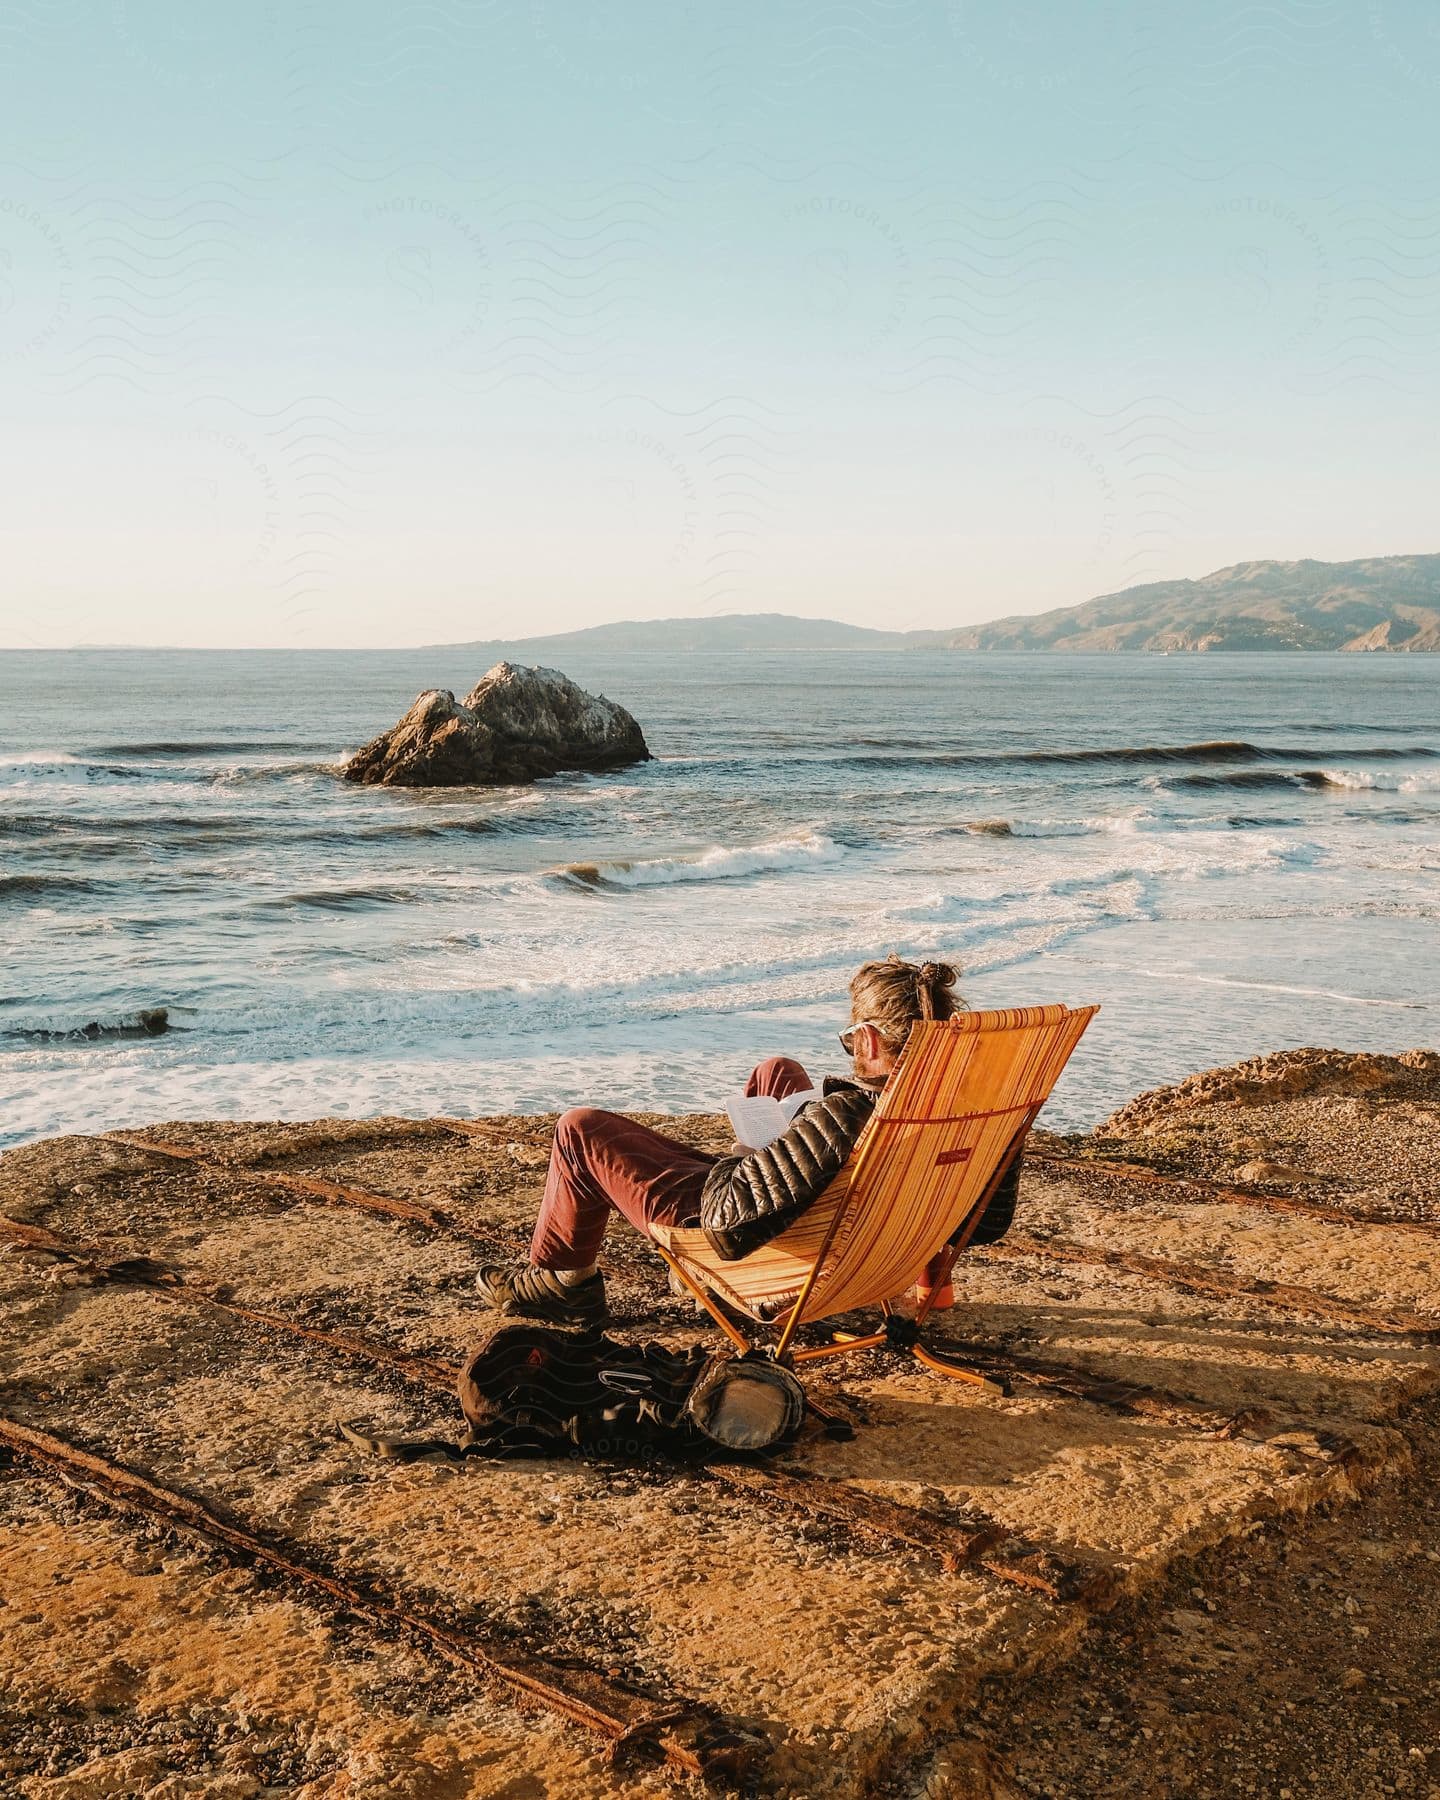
x=925 y=1161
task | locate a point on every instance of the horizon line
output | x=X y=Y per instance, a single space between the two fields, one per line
x=916 y=632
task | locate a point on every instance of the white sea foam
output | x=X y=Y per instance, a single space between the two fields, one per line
x=74 y=772
x=1280 y=987
x=52 y=766
x=1422 y=781
x=1124 y=824
x=719 y=863
x=1420 y=859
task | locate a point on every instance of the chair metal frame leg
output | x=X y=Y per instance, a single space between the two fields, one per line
x=943 y=1366
x=902 y=1334
x=842 y=1344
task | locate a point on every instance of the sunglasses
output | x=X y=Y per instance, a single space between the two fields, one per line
x=847 y=1037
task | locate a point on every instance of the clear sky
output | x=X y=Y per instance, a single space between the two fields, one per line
x=399 y=321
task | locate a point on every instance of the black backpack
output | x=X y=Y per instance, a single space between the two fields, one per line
x=535 y=1390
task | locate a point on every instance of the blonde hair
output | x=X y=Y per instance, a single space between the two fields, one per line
x=893 y=994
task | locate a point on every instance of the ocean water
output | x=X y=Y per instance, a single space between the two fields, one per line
x=1231 y=854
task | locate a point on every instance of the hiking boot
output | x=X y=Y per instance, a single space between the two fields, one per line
x=541 y=1294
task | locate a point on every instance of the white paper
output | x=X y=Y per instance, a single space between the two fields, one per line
x=758 y=1119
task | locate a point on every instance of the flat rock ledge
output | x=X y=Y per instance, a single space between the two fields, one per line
x=518 y=724
x=1194 y=1373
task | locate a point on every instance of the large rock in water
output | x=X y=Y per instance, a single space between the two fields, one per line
x=518 y=724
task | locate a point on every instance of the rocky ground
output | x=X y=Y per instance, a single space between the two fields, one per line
x=1301 y=1665
x=1363 y=1131
x=1218 y=1315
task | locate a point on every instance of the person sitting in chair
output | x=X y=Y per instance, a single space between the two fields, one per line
x=602 y=1162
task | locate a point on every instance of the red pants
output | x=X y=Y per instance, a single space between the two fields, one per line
x=602 y=1162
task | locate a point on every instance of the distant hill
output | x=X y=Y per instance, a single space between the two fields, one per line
x=725 y=631
x=1380 y=603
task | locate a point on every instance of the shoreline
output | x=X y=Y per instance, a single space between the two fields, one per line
x=1303 y=1069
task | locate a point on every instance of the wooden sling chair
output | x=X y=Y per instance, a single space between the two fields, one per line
x=951 y=1121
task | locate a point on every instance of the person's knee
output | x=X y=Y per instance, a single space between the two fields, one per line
x=579 y=1125
x=778 y=1075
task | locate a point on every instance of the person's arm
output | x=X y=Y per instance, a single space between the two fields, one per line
x=749 y=1199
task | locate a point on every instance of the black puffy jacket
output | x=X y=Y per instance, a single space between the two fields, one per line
x=751 y=1198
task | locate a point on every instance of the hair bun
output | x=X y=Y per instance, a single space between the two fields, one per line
x=933 y=982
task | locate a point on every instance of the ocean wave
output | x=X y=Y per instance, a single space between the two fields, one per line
x=148 y=1022
x=425 y=828
x=62 y=769
x=206 y=747
x=1039 y=828
x=1125 y=824
x=106 y=833
x=35 y=886
x=1362 y=781
x=283 y=771
x=1180 y=825
x=506 y=821
x=1240 y=778
x=1357 y=780
x=337 y=899
x=719 y=863
x=1341 y=725
x=26 y=771
x=1217 y=750
x=1220 y=750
